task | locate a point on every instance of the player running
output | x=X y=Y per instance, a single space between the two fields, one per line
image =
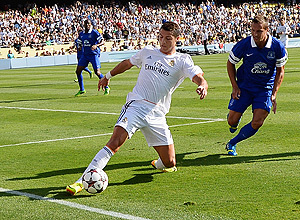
x=79 y=50
x=283 y=30
x=162 y=71
x=256 y=81
x=91 y=40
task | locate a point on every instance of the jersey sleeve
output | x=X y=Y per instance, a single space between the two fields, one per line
x=236 y=53
x=189 y=68
x=282 y=58
x=98 y=37
x=136 y=59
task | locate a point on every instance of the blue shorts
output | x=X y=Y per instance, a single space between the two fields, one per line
x=258 y=100
x=93 y=59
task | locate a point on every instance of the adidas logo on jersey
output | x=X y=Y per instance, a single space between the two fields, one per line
x=149 y=58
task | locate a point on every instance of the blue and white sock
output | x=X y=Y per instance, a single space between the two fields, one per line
x=80 y=82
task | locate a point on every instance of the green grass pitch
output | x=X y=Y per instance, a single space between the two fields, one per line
x=48 y=137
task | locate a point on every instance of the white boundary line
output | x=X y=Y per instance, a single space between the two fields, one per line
x=208 y=120
x=60 y=139
x=194 y=123
x=73 y=205
x=104 y=113
x=58 y=110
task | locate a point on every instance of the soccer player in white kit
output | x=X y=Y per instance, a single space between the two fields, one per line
x=162 y=71
x=283 y=30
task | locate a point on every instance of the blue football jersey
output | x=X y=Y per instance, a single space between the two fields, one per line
x=258 y=69
x=88 y=40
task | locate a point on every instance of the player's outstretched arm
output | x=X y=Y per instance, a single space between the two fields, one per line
x=120 y=68
x=202 y=85
x=277 y=83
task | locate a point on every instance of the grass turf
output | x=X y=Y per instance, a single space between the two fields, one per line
x=261 y=183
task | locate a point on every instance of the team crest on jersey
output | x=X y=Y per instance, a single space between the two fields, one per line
x=171 y=63
x=86 y=43
x=271 y=55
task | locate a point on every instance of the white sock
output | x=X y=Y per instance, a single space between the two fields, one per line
x=159 y=164
x=100 y=161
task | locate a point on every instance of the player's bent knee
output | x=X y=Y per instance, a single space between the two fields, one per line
x=232 y=122
x=257 y=124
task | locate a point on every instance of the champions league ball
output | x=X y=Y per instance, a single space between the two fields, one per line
x=95 y=181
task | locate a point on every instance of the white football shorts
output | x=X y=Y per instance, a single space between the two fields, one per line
x=140 y=114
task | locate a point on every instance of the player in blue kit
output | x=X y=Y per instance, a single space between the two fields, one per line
x=256 y=81
x=91 y=40
x=78 y=46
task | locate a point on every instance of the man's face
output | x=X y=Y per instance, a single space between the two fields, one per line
x=87 y=25
x=259 y=33
x=167 y=42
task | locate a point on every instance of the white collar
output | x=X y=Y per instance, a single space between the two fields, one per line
x=268 y=44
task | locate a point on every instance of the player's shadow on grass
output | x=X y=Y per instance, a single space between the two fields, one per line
x=60 y=193
x=137 y=179
x=144 y=166
x=29 y=100
x=223 y=159
x=80 y=170
x=28 y=85
x=209 y=160
x=51 y=174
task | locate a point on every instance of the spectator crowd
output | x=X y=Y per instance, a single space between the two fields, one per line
x=36 y=27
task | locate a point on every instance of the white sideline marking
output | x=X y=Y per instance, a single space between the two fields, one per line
x=60 y=139
x=209 y=119
x=73 y=205
x=194 y=123
x=58 y=110
x=206 y=120
x=104 y=113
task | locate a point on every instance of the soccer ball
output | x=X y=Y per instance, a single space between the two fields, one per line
x=95 y=181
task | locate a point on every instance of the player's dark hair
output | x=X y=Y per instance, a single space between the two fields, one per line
x=172 y=27
x=261 y=19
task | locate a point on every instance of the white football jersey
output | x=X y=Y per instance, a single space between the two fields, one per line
x=284 y=29
x=160 y=75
